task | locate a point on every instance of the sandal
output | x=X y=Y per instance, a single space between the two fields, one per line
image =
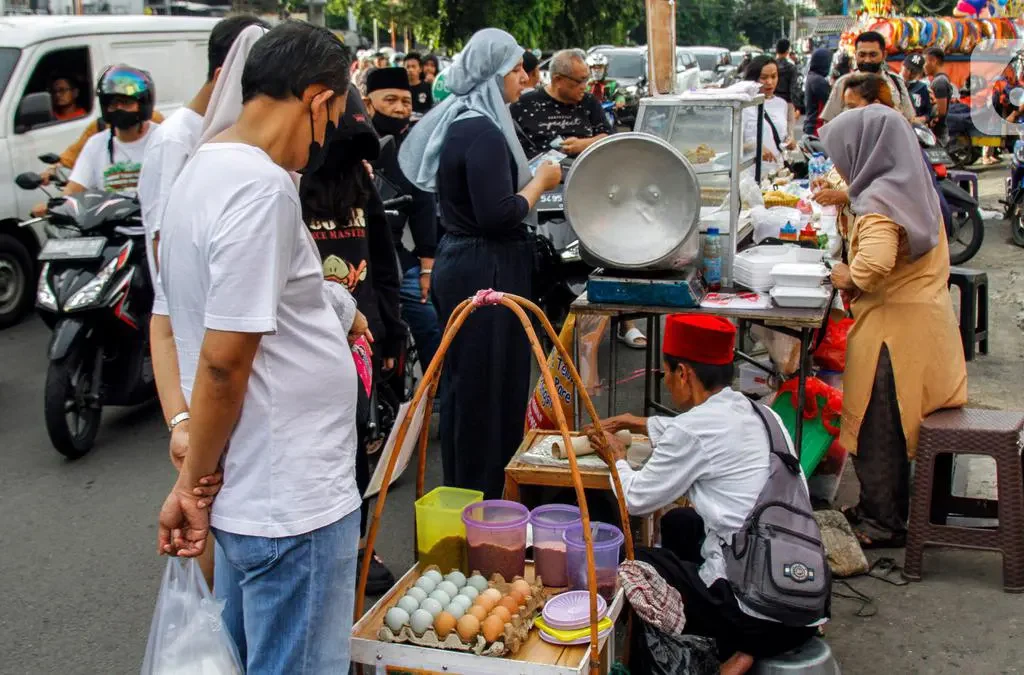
x=633 y=338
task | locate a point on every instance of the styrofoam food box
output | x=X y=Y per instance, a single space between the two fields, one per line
x=799 y=274
x=796 y=296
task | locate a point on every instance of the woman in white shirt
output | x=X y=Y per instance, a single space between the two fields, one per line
x=775 y=133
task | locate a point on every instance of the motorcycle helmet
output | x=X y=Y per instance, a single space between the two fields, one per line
x=125 y=81
x=440 y=90
x=599 y=63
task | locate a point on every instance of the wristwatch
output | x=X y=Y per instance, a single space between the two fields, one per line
x=426 y=272
x=178 y=419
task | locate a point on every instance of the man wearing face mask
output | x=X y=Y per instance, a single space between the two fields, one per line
x=869 y=51
x=262 y=362
x=389 y=104
x=112 y=161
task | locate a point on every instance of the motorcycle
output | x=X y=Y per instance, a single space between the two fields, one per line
x=1014 y=202
x=965 y=229
x=95 y=294
x=608 y=107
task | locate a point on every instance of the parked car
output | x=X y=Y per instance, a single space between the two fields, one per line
x=716 y=67
x=33 y=49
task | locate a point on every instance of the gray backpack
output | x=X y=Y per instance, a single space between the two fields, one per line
x=776 y=564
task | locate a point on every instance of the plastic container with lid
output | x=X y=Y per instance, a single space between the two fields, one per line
x=607 y=540
x=496 y=536
x=548 y=548
x=440 y=533
x=805 y=275
x=806 y=298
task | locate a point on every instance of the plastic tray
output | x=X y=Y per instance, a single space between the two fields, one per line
x=816 y=438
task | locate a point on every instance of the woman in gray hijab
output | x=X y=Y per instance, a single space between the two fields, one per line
x=904 y=359
x=466 y=150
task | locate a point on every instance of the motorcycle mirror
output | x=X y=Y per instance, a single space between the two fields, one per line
x=30 y=180
x=49 y=158
x=1017 y=96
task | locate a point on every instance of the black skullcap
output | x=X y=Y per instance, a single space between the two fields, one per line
x=387 y=78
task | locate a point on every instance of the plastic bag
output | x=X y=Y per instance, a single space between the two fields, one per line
x=831 y=353
x=768 y=222
x=665 y=654
x=783 y=349
x=187 y=635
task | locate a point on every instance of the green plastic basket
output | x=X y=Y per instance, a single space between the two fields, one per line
x=816 y=440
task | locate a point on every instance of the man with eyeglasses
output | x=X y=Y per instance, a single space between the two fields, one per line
x=561 y=110
x=64 y=94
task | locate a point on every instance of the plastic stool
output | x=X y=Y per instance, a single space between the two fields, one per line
x=813 y=657
x=968 y=180
x=992 y=433
x=973 y=286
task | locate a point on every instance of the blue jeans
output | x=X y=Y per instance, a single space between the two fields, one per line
x=289 y=601
x=421 y=318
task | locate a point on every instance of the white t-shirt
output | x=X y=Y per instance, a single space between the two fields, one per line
x=94 y=169
x=170 y=145
x=236 y=256
x=778 y=110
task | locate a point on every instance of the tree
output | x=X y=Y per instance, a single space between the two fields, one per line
x=706 y=22
x=763 y=21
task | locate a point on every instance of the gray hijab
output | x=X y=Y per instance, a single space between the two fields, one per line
x=876 y=151
x=476 y=82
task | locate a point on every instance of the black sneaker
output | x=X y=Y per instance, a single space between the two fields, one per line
x=380 y=579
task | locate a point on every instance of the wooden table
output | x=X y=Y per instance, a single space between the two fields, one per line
x=535 y=657
x=798 y=323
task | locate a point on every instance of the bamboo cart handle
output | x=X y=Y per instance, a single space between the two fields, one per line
x=428 y=387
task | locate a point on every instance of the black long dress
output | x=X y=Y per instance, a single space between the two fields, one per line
x=486 y=379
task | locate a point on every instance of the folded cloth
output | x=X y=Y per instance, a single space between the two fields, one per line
x=651 y=597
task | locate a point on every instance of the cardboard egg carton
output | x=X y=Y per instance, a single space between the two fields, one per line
x=512 y=638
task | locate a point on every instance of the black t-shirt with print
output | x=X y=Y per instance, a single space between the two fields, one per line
x=422 y=98
x=542 y=119
x=361 y=257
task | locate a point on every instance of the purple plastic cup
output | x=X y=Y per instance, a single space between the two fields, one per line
x=548 y=548
x=496 y=535
x=607 y=543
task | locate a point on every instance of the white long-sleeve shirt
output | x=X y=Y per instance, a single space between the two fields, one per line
x=717 y=456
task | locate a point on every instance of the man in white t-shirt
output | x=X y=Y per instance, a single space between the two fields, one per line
x=266 y=368
x=170 y=145
x=112 y=161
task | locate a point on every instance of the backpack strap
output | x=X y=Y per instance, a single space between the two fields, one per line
x=777 y=439
x=775 y=132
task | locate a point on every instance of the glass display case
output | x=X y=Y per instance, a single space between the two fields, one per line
x=707 y=128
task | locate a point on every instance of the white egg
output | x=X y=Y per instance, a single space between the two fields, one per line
x=432 y=606
x=470 y=592
x=434 y=576
x=418 y=593
x=456 y=609
x=456 y=577
x=396 y=618
x=420 y=621
x=409 y=604
x=427 y=584
x=478 y=582
x=448 y=587
x=463 y=601
x=441 y=597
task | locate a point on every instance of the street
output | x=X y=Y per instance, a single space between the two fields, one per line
x=80 y=573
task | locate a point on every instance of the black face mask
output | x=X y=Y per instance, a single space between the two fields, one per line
x=124 y=120
x=390 y=126
x=869 y=67
x=317 y=152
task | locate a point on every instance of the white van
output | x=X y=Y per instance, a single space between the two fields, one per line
x=36 y=49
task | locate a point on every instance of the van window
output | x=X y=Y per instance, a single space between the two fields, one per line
x=162 y=59
x=8 y=59
x=66 y=75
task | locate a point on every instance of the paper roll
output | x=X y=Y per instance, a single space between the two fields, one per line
x=581 y=445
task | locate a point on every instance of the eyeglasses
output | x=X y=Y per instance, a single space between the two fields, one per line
x=572 y=79
x=61 y=90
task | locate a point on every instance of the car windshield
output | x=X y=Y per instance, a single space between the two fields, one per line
x=708 y=61
x=8 y=59
x=625 y=64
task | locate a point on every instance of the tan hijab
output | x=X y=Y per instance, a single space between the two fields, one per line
x=876 y=151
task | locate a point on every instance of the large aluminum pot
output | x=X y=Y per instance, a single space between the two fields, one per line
x=634 y=202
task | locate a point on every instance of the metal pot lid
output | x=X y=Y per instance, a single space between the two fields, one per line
x=632 y=199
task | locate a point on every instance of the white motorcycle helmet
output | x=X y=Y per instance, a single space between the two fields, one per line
x=595 y=61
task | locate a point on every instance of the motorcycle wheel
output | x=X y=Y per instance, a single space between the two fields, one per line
x=965 y=236
x=963 y=154
x=72 y=422
x=1017 y=226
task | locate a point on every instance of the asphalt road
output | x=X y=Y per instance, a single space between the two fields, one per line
x=79 y=573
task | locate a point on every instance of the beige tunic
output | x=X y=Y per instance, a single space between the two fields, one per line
x=905 y=305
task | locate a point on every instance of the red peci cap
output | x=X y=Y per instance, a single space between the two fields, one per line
x=701 y=339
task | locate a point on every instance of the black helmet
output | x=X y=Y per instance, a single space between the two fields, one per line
x=122 y=80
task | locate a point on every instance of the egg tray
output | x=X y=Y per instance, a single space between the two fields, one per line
x=511 y=639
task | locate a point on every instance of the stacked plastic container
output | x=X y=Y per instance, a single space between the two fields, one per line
x=753 y=268
x=800 y=285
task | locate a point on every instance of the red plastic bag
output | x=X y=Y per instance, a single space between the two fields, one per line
x=831 y=353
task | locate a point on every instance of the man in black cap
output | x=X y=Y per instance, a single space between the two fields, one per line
x=389 y=104
x=917 y=87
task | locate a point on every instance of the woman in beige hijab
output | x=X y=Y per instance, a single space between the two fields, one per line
x=904 y=357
